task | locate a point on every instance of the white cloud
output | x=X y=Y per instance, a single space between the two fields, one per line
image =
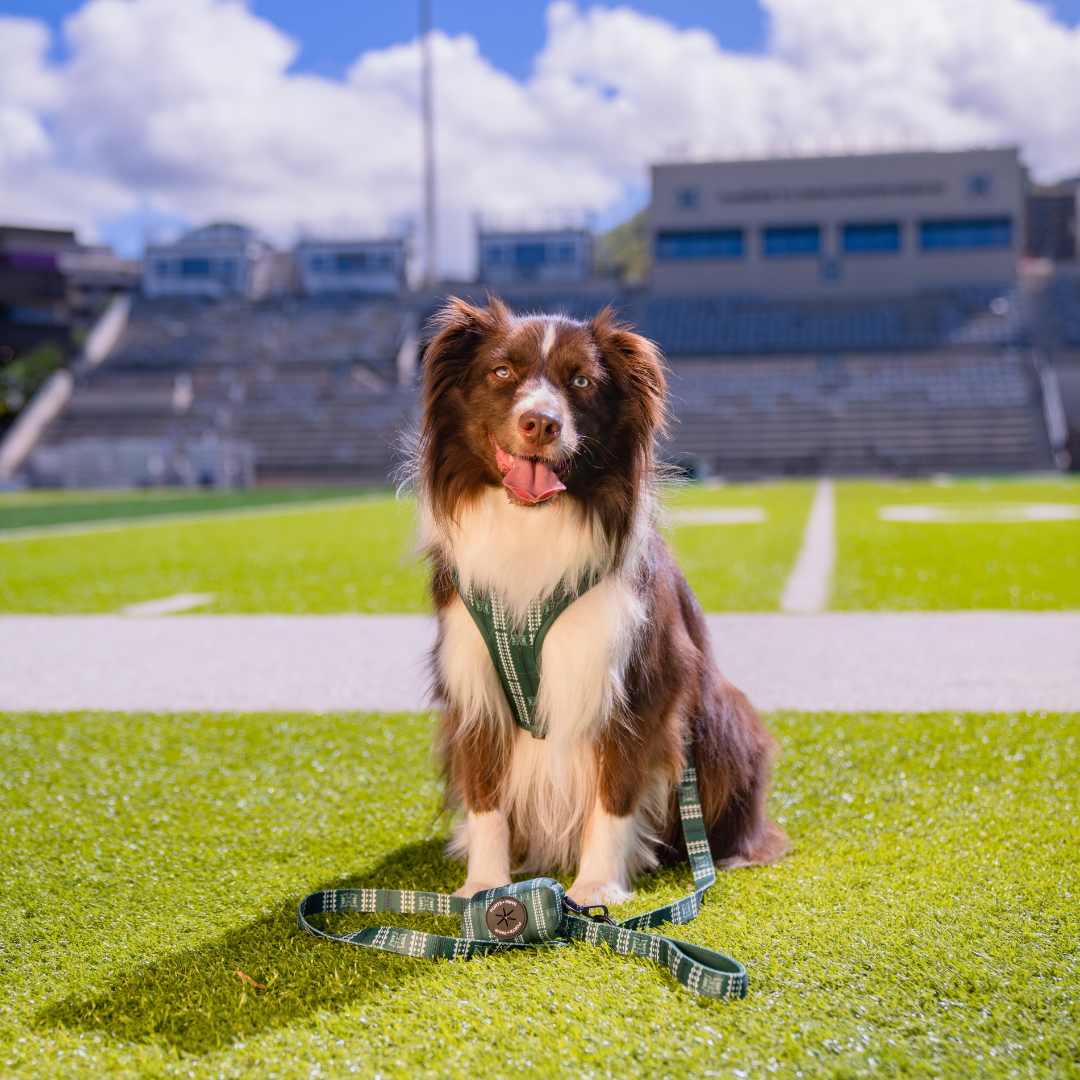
x=189 y=107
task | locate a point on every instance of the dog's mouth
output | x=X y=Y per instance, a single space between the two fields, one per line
x=532 y=480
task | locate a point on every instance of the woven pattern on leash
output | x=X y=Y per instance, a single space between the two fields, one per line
x=703 y=971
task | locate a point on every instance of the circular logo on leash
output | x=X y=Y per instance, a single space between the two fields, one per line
x=506 y=917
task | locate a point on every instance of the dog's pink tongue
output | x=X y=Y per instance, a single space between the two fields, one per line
x=533 y=481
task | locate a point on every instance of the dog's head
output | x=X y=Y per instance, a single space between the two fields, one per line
x=544 y=406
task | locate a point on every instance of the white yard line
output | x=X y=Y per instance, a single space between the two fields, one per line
x=978 y=661
x=195 y=517
x=807 y=589
x=169 y=605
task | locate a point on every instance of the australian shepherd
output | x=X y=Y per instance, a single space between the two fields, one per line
x=536 y=464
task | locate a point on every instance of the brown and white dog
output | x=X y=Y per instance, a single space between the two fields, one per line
x=536 y=463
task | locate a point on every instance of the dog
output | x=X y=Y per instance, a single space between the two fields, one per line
x=536 y=464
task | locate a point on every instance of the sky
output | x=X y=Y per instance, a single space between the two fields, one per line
x=130 y=119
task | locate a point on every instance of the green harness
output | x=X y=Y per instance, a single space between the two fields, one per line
x=538 y=911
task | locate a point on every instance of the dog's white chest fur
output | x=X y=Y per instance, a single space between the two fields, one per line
x=522 y=553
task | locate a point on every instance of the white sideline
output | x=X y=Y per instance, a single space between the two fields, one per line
x=807 y=589
x=870 y=661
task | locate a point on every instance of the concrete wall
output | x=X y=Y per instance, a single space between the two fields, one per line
x=908 y=190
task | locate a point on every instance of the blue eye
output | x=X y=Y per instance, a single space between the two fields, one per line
x=503 y=372
x=580 y=381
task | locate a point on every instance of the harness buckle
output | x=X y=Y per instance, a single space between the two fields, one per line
x=585 y=911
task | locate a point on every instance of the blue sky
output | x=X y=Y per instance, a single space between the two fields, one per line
x=332 y=33
x=180 y=112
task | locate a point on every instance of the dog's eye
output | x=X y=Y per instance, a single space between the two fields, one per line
x=580 y=381
x=503 y=372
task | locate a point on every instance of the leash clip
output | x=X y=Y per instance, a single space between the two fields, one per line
x=586 y=911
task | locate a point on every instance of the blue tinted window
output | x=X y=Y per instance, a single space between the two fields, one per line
x=195 y=267
x=529 y=254
x=882 y=236
x=228 y=268
x=351 y=262
x=162 y=269
x=316 y=262
x=716 y=244
x=792 y=240
x=566 y=253
x=688 y=197
x=972 y=233
x=494 y=255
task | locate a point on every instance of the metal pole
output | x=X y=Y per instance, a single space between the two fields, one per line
x=428 y=118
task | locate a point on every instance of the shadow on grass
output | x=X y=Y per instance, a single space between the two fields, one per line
x=195 y=1001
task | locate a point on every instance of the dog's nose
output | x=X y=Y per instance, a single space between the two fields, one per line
x=539 y=427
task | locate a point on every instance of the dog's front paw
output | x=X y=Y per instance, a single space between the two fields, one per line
x=588 y=893
x=471 y=888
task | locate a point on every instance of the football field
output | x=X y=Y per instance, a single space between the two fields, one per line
x=925 y=923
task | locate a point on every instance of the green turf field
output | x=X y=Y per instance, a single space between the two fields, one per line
x=339 y=552
x=956 y=564
x=926 y=923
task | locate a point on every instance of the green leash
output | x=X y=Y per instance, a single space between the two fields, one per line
x=538 y=911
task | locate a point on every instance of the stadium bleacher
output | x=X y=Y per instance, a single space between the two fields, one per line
x=936 y=381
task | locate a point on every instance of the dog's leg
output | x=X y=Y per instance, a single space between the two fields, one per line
x=488 y=838
x=602 y=875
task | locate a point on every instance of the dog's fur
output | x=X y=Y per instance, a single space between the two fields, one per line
x=627 y=669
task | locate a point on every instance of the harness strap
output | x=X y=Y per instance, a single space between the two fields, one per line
x=704 y=971
x=515 y=650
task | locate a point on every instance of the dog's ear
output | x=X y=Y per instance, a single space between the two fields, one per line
x=636 y=369
x=460 y=327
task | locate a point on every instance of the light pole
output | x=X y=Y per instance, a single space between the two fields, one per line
x=427 y=112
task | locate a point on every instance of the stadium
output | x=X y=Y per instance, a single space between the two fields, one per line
x=214 y=628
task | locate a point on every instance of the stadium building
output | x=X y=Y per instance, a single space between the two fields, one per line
x=861 y=225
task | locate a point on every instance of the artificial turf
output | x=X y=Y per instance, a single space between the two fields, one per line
x=29 y=509
x=341 y=557
x=926 y=923
x=904 y=565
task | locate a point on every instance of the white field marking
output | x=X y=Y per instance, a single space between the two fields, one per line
x=807 y=589
x=169 y=605
x=549 y=338
x=978 y=513
x=194 y=517
x=719 y=515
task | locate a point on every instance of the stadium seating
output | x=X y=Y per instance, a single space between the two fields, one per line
x=758 y=386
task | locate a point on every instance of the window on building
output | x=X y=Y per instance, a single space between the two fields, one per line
x=566 y=253
x=980 y=184
x=713 y=244
x=228 y=268
x=317 y=263
x=792 y=240
x=688 y=198
x=194 y=267
x=351 y=262
x=873 y=236
x=161 y=268
x=530 y=254
x=494 y=254
x=971 y=233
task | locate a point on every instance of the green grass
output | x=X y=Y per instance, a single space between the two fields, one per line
x=742 y=567
x=899 y=565
x=29 y=509
x=925 y=925
x=355 y=557
x=348 y=558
